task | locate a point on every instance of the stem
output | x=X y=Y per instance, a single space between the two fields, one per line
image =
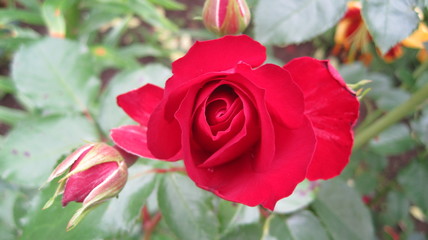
x=11 y=116
x=392 y=117
x=266 y=227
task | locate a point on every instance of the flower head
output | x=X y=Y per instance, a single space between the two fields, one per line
x=94 y=173
x=226 y=17
x=248 y=132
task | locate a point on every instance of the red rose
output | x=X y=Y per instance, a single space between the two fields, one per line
x=247 y=132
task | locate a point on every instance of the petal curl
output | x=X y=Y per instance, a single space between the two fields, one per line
x=215 y=56
x=140 y=103
x=283 y=98
x=332 y=108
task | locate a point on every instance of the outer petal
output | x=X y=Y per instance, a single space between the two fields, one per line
x=214 y=56
x=132 y=139
x=332 y=108
x=140 y=103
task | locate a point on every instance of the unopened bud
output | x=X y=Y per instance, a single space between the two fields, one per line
x=226 y=17
x=93 y=173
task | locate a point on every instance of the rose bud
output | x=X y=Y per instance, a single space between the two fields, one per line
x=226 y=17
x=96 y=172
x=248 y=132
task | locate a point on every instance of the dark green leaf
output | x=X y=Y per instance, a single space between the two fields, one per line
x=305 y=226
x=394 y=140
x=54 y=74
x=245 y=232
x=420 y=126
x=277 y=229
x=343 y=213
x=232 y=215
x=397 y=208
x=10 y=15
x=354 y=72
x=32 y=148
x=389 y=21
x=413 y=180
x=185 y=209
x=284 y=22
x=169 y=4
x=388 y=100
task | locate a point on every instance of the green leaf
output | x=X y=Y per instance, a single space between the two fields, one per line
x=54 y=75
x=169 y=4
x=381 y=83
x=11 y=15
x=413 y=179
x=231 y=215
x=148 y=12
x=185 y=208
x=354 y=72
x=394 y=140
x=343 y=213
x=388 y=100
x=283 y=22
x=6 y=85
x=31 y=149
x=305 y=226
x=420 y=126
x=44 y=224
x=302 y=196
x=111 y=115
x=389 y=21
x=244 y=232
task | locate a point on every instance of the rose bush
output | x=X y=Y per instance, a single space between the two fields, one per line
x=247 y=132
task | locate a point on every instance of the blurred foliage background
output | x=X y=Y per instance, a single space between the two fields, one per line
x=63 y=62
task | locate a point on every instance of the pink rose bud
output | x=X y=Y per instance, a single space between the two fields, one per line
x=95 y=172
x=226 y=17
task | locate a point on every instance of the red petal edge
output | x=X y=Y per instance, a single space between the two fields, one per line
x=332 y=108
x=140 y=103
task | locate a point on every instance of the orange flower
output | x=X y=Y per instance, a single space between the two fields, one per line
x=352 y=39
x=351 y=34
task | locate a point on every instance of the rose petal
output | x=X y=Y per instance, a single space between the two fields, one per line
x=238 y=181
x=133 y=139
x=214 y=56
x=140 y=103
x=283 y=97
x=332 y=108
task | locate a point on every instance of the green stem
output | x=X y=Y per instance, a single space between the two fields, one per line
x=392 y=117
x=11 y=116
